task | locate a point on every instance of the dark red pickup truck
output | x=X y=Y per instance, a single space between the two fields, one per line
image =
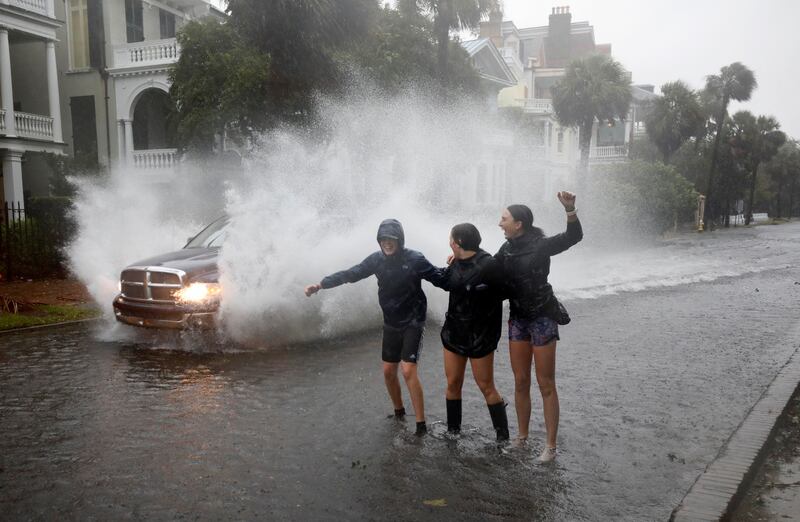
x=175 y=290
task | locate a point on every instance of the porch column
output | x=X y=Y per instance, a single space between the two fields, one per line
x=12 y=178
x=52 y=89
x=128 y=142
x=6 y=92
x=121 y=143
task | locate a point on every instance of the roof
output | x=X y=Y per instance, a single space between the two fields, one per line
x=488 y=62
x=642 y=95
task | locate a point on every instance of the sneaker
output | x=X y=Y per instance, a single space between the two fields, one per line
x=398 y=414
x=548 y=455
x=519 y=442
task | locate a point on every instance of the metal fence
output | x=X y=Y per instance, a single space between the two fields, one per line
x=32 y=240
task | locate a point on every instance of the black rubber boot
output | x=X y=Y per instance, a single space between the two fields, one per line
x=422 y=429
x=399 y=414
x=499 y=420
x=454 y=415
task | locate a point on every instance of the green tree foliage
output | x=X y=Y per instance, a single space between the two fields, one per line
x=783 y=172
x=595 y=88
x=219 y=82
x=673 y=118
x=734 y=82
x=754 y=141
x=401 y=51
x=305 y=40
x=653 y=197
x=448 y=15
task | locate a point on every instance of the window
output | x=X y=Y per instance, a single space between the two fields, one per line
x=79 y=33
x=84 y=128
x=167 y=22
x=96 y=31
x=133 y=20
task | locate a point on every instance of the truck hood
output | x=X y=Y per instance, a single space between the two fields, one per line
x=200 y=264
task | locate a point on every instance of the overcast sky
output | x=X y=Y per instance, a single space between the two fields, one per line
x=682 y=39
x=688 y=40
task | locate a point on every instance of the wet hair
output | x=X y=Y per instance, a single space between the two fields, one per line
x=524 y=215
x=466 y=236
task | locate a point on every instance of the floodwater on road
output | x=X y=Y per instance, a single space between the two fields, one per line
x=651 y=382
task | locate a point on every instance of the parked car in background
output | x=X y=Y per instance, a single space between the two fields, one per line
x=174 y=290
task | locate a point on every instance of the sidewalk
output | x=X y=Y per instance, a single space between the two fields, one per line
x=775 y=491
x=45 y=301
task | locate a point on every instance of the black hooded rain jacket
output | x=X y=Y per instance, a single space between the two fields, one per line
x=526 y=265
x=399 y=279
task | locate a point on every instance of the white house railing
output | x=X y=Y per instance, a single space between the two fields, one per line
x=537 y=105
x=152 y=52
x=37 y=6
x=609 y=152
x=154 y=158
x=33 y=125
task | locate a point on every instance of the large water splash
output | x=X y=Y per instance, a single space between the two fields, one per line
x=304 y=206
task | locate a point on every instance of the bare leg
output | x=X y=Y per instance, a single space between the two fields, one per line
x=454 y=367
x=483 y=372
x=414 y=388
x=545 y=361
x=521 y=357
x=392 y=384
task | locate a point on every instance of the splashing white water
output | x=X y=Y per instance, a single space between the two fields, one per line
x=303 y=208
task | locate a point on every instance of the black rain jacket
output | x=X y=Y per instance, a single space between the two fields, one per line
x=474 y=317
x=526 y=264
x=399 y=279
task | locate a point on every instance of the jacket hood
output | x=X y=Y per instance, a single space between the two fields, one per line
x=392 y=228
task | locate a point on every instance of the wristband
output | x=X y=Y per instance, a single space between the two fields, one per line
x=573 y=212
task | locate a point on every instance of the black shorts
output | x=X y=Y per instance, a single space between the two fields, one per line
x=402 y=343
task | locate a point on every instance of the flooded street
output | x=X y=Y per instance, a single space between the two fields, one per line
x=652 y=381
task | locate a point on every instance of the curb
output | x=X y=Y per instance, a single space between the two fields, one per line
x=51 y=325
x=719 y=489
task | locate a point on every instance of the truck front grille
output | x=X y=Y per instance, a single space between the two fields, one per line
x=151 y=283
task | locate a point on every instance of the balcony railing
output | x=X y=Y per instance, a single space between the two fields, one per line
x=609 y=152
x=537 y=105
x=152 y=52
x=33 y=125
x=42 y=7
x=154 y=158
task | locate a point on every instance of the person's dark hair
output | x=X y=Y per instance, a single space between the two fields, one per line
x=466 y=236
x=524 y=215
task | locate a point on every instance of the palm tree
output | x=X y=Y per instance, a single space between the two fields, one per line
x=734 y=82
x=452 y=14
x=674 y=118
x=595 y=88
x=759 y=140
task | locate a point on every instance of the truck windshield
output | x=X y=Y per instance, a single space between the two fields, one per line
x=212 y=236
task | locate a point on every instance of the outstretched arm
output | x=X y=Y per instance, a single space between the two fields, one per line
x=438 y=277
x=356 y=273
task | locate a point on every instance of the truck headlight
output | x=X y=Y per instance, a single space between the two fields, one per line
x=197 y=293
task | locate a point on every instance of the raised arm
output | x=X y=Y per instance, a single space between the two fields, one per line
x=556 y=244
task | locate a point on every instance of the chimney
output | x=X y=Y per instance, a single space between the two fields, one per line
x=493 y=28
x=558 y=36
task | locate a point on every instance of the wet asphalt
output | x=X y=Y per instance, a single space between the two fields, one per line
x=651 y=385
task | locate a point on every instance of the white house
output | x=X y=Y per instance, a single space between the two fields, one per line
x=116 y=59
x=30 y=114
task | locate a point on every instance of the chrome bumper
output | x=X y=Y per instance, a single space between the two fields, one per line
x=163 y=316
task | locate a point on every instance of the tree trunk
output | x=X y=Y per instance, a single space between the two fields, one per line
x=727 y=218
x=748 y=217
x=585 y=141
x=442 y=29
x=791 y=196
x=720 y=122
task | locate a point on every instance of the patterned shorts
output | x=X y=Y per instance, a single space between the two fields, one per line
x=538 y=332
